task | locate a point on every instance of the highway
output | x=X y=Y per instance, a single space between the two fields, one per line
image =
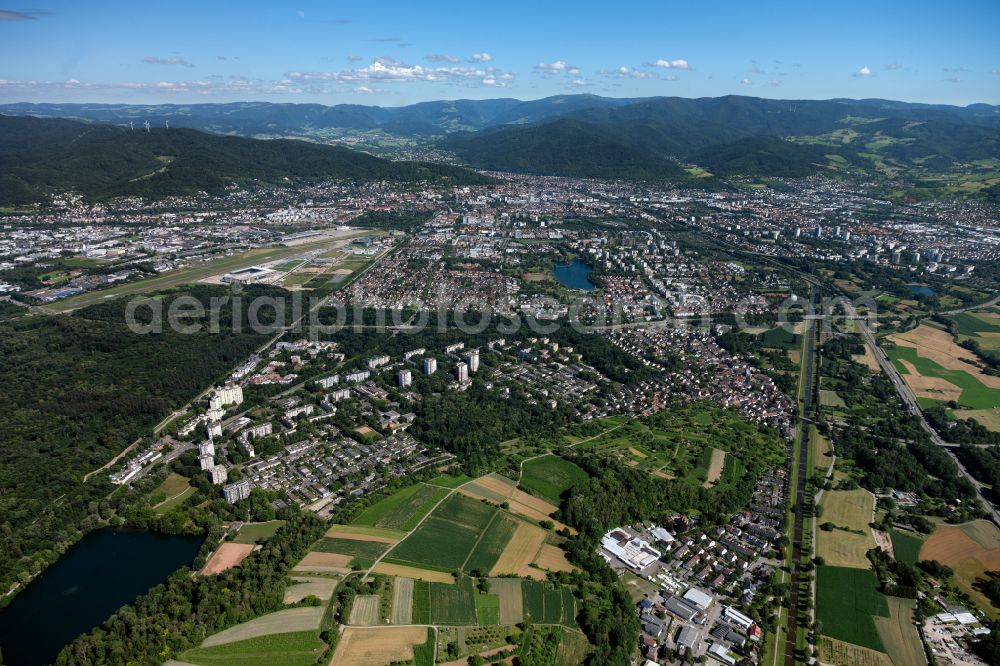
x=911 y=403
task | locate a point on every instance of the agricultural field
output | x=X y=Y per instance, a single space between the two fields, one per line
x=847 y=602
x=937 y=368
x=454 y=604
x=257 y=532
x=362 y=552
x=449 y=480
x=304 y=586
x=487 y=609
x=226 y=556
x=550 y=476
x=982 y=327
x=522 y=550
x=378 y=646
x=418 y=573
x=850 y=511
x=300 y=648
x=511 y=597
x=403 y=509
x=289 y=620
x=898 y=633
x=970 y=549
x=839 y=653
x=491 y=544
x=402 y=601
x=448 y=536
x=716 y=464
x=364 y=533
x=365 y=610
x=906 y=546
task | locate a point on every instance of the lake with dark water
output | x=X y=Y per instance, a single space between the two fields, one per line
x=101 y=573
x=574 y=275
x=920 y=290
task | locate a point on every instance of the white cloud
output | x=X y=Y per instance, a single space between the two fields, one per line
x=774 y=83
x=556 y=68
x=864 y=71
x=670 y=64
x=153 y=60
x=893 y=66
x=389 y=70
x=481 y=57
x=746 y=82
x=441 y=57
x=629 y=73
x=579 y=83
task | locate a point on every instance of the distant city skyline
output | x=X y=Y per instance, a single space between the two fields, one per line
x=395 y=53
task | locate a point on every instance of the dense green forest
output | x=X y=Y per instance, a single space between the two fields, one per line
x=78 y=390
x=565 y=148
x=40 y=156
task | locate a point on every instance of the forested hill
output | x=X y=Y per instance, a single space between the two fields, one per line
x=41 y=155
x=563 y=148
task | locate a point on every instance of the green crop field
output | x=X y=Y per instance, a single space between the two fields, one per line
x=488 y=609
x=366 y=549
x=450 y=481
x=421 y=602
x=487 y=551
x=402 y=510
x=439 y=543
x=423 y=654
x=779 y=338
x=465 y=511
x=906 y=546
x=550 y=476
x=299 y=648
x=975 y=395
x=454 y=604
x=552 y=600
x=568 y=608
x=254 y=532
x=847 y=601
x=533 y=594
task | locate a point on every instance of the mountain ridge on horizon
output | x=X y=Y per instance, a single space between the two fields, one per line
x=632 y=138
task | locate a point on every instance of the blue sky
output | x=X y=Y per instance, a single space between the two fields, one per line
x=393 y=53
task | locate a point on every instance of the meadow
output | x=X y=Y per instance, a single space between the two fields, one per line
x=550 y=476
x=851 y=512
x=906 y=546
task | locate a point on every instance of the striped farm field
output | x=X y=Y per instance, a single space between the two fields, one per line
x=300 y=648
x=970 y=549
x=491 y=544
x=403 y=509
x=365 y=533
x=511 y=599
x=323 y=562
x=429 y=575
x=448 y=536
x=365 y=610
x=402 y=601
x=377 y=646
x=352 y=547
x=279 y=622
x=553 y=558
x=321 y=588
x=521 y=551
